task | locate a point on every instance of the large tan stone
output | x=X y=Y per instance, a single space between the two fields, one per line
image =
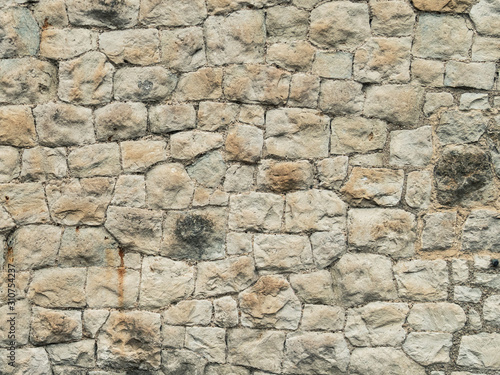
x=183 y=49
x=25 y=202
x=138 y=156
x=357 y=134
x=66 y=43
x=17 y=126
x=138 y=47
x=255 y=211
x=172 y=12
x=282 y=253
x=53 y=326
x=44 y=163
x=285 y=176
x=151 y=83
x=169 y=186
x=118 y=121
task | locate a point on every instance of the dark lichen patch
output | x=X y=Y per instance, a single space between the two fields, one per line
x=461 y=171
x=194 y=230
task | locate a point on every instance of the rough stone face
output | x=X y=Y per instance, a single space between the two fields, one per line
x=485 y=49
x=336 y=65
x=225 y=312
x=188 y=145
x=144 y=84
x=235 y=39
x=138 y=47
x=9 y=163
x=428 y=72
x=95 y=160
x=285 y=176
x=475 y=75
x=428 y=348
x=54 y=326
x=342 y=25
x=357 y=134
x=130 y=339
x=165 y=281
x=422 y=280
x=435 y=101
x=255 y=211
x=296 y=56
x=244 y=143
x=170 y=118
x=282 y=252
x=304 y=90
x=203 y=84
x=25 y=203
x=20 y=34
x=130 y=190
x=172 y=12
x=112 y=287
x=43 y=163
x=341 y=97
x=314 y=287
x=411 y=147
x=439 y=316
x=79 y=353
x=169 y=186
x=481 y=231
x=439 y=230
x=212 y=115
x=491 y=310
x=103 y=14
x=485 y=15
x=208 y=342
x=479 y=351
x=459 y=127
x=66 y=43
x=183 y=49
x=17 y=126
x=365 y=361
x=392 y=18
x=137 y=156
x=119 y=121
x=22 y=324
x=376 y=324
x=28 y=359
x=323 y=318
x=458 y=6
x=362 y=278
x=328 y=246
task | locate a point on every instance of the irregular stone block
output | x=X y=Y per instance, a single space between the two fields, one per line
x=341 y=97
x=51 y=11
x=112 y=287
x=296 y=55
x=336 y=65
x=151 y=83
x=95 y=160
x=20 y=34
x=287 y=23
x=485 y=49
x=455 y=6
x=172 y=12
x=168 y=186
x=54 y=326
x=322 y=318
x=138 y=156
x=183 y=49
x=190 y=144
x=439 y=316
x=208 y=342
x=118 y=121
x=282 y=252
x=226 y=370
x=66 y=43
x=470 y=101
x=357 y=134
x=332 y=171
x=213 y=115
x=411 y=147
x=392 y=18
x=28 y=359
x=329 y=246
x=179 y=361
x=314 y=287
x=244 y=143
x=255 y=211
x=439 y=230
x=304 y=90
x=284 y=176
x=203 y=84
x=10 y=165
x=80 y=353
x=476 y=75
x=43 y=163
x=465 y=294
x=19 y=327
x=485 y=15
x=366 y=361
x=226 y=312
x=17 y=126
x=437 y=100
x=428 y=348
x=172 y=117
x=481 y=231
x=479 y=351
x=194 y=312
x=428 y=72
x=422 y=280
x=491 y=311
x=139 y=47
x=25 y=202
x=130 y=191
x=209 y=170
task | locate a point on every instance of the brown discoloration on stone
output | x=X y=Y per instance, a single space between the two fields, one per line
x=287 y=176
x=52 y=326
x=17 y=127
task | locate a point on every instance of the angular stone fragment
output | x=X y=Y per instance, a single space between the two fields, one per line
x=362 y=278
x=255 y=211
x=152 y=83
x=367 y=361
x=203 y=84
x=172 y=12
x=135 y=229
x=285 y=176
x=66 y=43
x=226 y=312
x=491 y=311
x=304 y=90
x=411 y=147
x=53 y=326
x=194 y=234
x=297 y=133
x=244 y=143
x=168 y=186
x=27 y=81
x=165 y=281
x=237 y=38
x=137 y=156
x=485 y=15
x=43 y=163
x=103 y=14
x=376 y=324
x=208 y=342
x=188 y=145
x=112 y=287
x=86 y=80
x=80 y=353
x=328 y=246
x=439 y=230
x=183 y=49
x=428 y=348
x=256 y=84
x=341 y=97
x=422 y=280
x=357 y=134
x=10 y=165
x=282 y=252
x=20 y=34
x=314 y=287
x=256 y=348
x=118 y=121
x=439 y=316
x=138 y=47
x=95 y=160
x=194 y=312
x=393 y=18
x=224 y=276
x=316 y=353
x=374 y=186
x=400 y=104
x=25 y=203
x=342 y=25
x=209 y=170
x=130 y=339
x=481 y=231
x=17 y=126
x=475 y=75
x=480 y=351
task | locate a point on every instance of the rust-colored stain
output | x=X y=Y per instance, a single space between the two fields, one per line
x=121 y=275
x=10 y=255
x=46 y=23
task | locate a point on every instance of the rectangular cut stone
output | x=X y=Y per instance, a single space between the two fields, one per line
x=280 y=253
x=475 y=75
x=480 y=351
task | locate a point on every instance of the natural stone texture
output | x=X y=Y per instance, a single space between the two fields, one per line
x=362 y=278
x=188 y=145
x=475 y=75
x=137 y=156
x=43 y=163
x=182 y=361
x=239 y=178
x=130 y=339
x=10 y=165
x=239 y=243
x=384 y=231
x=27 y=81
x=103 y=14
x=392 y=18
x=250 y=114
x=256 y=348
x=314 y=287
x=112 y=287
x=491 y=311
x=296 y=133
x=328 y=246
x=130 y=190
x=376 y=324
x=295 y=56
x=20 y=34
x=437 y=100
x=244 y=143
x=455 y=6
x=285 y=23
x=79 y=353
x=139 y=47
x=27 y=361
x=52 y=12
x=237 y=38
x=183 y=49
x=170 y=118
x=470 y=101
x=374 y=186
x=17 y=325
x=323 y=318
x=212 y=115
x=208 y=342
x=336 y=65
x=442 y=36
x=422 y=280
x=255 y=211
x=25 y=203
x=342 y=25
x=209 y=170
x=226 y=312
x=439 y=230
x=86 y=80
x=203 y=84
x=357 y=134
x=332 y=171
x=164 y=281
x=93 y=321
x=366 y=361
x=60 y=124
x=459 y=270
x=440 y=316
x=226 y=370
x=466 y=294
x=256 y=84
x=304 y=90
x=144 y=84
x=35 y=246
x=428 y=72
x=315 y=352
x=66 y=43
x=341 y=97
x=54 y=326
x=461 y=173
x=224 y=276
x=168 y=186
x=173 y=336
x=79 y=201
x=282 y=252
x=411 y=147
x=485 y=49
x=479 y=351
x=481 y=231
x=119 y=121
x=194 y=312
x=284 y=176
x=17 y=126
x=485 y=15
x=172 y=12
x=6 y=224
x=428 y=348
x=400 y=104
x=95 y=160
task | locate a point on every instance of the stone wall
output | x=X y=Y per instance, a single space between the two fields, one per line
x=250 y=187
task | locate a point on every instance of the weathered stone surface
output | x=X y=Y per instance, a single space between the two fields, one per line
x=209 y=170
x=130 y=191
x=25 y=203
x=53 y=326
x=342 y=25
x=51 y=11
x=459 y=270
x=17 y=126
x=411 y=147
x=323 y=318
x=237 y=38
x=491 y=311
x=6 y=224
x=284 y=176
x=194 y=312
x=461 y=173
x=188 y=145
x=455 y=6
x=183 y=49
x=138 y=47
x=119 y=121
x=79 y=353
x=103 y=14
x=435 y=101
x=461 y=127
x=182 y=361
x=86 y=80
x=226 y=370
x=239 y=178
x=362 y=278
x=365 y=361
x=465 y=294
x=485 y=15
x=470 y=101
x=208 y=342
x=95 y=160
x=439 y=230
x=213 y=115
x=479 y=351
x=428 y=72
x=422 y=280
x=376 y=324
x=172 y=12
x=295 y=56
x=239 y=243
x=481 y=231
x=304 y=90
x=255 y=211
x=282 y=252
x=165 y=281
x=393 y=18
x=332 y=171
x=225 y=276
x=27 y=361
x=168 y=186
x=476 y=75
x=19 y=326
x=314 y=287
x=203 y=84
x=440 y=316
x=251 y=114
x=130 y=340
x=20 y=34
x=173 y=336
x=341 y=97
x=336 y=65
x=485 y=49
x=256 y=348
x=93 y=320
x=226 y=312
x=286 y=22
x=256 y=84
x=244 y=143
x=170 y=118
x=357 y=134
x=43 y=163
x=66 y=43
x=137 y=156
x=10 y=165
x=428 y=348
x=400 y=104
x=112 y=287
x=144 y=84
x=27 y=81
x=297 y=133
x=328 y=246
